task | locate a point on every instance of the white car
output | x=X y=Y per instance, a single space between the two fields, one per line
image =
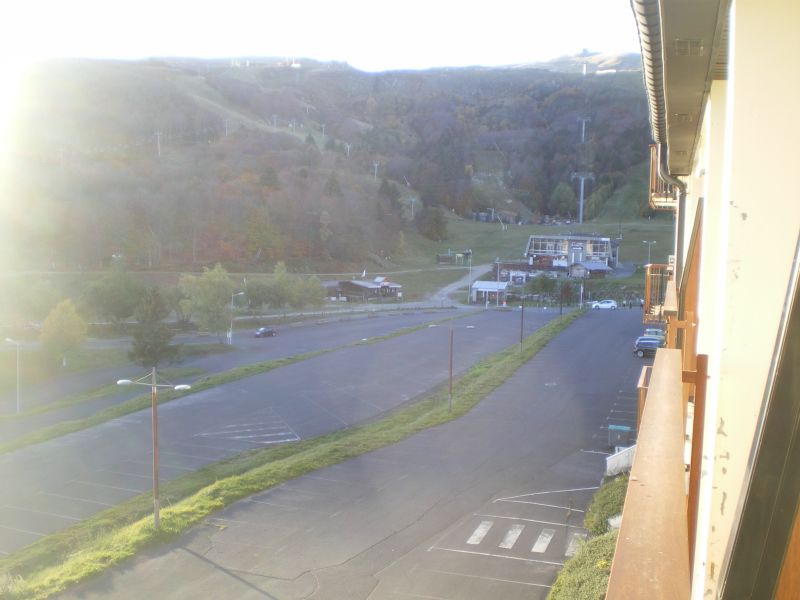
x=605 y=304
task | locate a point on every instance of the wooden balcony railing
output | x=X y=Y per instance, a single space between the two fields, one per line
x=651 y=561
x=662 y=196
x=655 y=293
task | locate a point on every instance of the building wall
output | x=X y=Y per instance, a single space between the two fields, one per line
x=748 y=162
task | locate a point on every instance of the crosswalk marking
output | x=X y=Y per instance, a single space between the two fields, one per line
x=480 y=532
x=573 y=543
x=511 y=536
x=543 y=541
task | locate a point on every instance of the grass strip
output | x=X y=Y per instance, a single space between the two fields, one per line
x=96 y=394
x=51 y=564
x=141 y=402
x=606 y=503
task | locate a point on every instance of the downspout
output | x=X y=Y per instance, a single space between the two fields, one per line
x=663 y=174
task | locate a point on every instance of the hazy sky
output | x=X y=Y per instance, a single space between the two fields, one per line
x=368 y=35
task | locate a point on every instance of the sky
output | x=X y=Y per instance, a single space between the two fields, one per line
x=371 y=36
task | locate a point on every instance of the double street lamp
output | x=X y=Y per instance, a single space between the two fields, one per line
x=150 y=380
x=649 y=245
x=17 y=344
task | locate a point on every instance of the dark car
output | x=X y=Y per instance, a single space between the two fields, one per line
x=266 y=332
x=646 y=346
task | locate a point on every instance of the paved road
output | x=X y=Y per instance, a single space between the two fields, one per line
x=60 y=482
x=487 y=506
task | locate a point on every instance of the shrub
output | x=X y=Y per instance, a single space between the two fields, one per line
x=606 y=503
x=585 y=575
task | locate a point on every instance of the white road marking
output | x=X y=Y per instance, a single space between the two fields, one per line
x=512 y=535
x=65 y=497
x=125 y=473
x=543 y=541
x=40 y=512
x=37 y=534
x=596 y=452
x=526 y=520
x=550 y=492
x=490 y=578
x=105 y=485
x=480 y=532
x=206 y=446
x=162 y=463
x=574 y=541
x=541 y=504
x=322 y=512
x=530 y=560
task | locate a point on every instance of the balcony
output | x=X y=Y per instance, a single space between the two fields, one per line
x=651 y=561
x=656 y=285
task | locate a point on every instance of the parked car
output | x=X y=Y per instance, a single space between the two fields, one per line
x=646 y=346
x=605 y=304
x=266 y=332
x=655 y=332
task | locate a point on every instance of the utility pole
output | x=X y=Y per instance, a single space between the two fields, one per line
x=376 y=164
x=347 y=148
x=450 y=400
x=226 y=127
x=583 y=121
x=158 y=143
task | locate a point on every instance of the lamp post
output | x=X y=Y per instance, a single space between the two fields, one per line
x=154 y=385
x=469 y=286
x=17 y=344
x=649 y=245
x=230 y=331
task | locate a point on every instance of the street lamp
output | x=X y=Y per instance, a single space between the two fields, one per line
x=230 y=331
x=649 y=245
x=17 y=344
x=154 y=426
x=469 y=286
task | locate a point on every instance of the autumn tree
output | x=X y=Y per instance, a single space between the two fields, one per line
x=63 y=331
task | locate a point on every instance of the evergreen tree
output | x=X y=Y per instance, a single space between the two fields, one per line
x=152 y=337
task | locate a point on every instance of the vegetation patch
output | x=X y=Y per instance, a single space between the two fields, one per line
x=51 y=564
x=606 y=503
x=100 y=393
x=585 y=575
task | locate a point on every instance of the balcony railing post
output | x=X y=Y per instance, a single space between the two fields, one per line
x=701 y=375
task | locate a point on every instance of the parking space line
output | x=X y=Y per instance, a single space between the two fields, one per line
x=596 y=452
x=236 y=450
x=540 y=504
x=64 y=496
x=530 y=560
x=36 y=533
x=162 y=452
x=40 y=512
x=550 y=492
x=105 y=485
x=543 y=541
x=322 y=512
x=480 y=532
x=572 y=548
x=490 y=578
x=162 y=463
x=148 y=477
x=512 y=535
x=528 y=520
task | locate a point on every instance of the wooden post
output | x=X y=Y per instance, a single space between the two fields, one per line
x=695 y=469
